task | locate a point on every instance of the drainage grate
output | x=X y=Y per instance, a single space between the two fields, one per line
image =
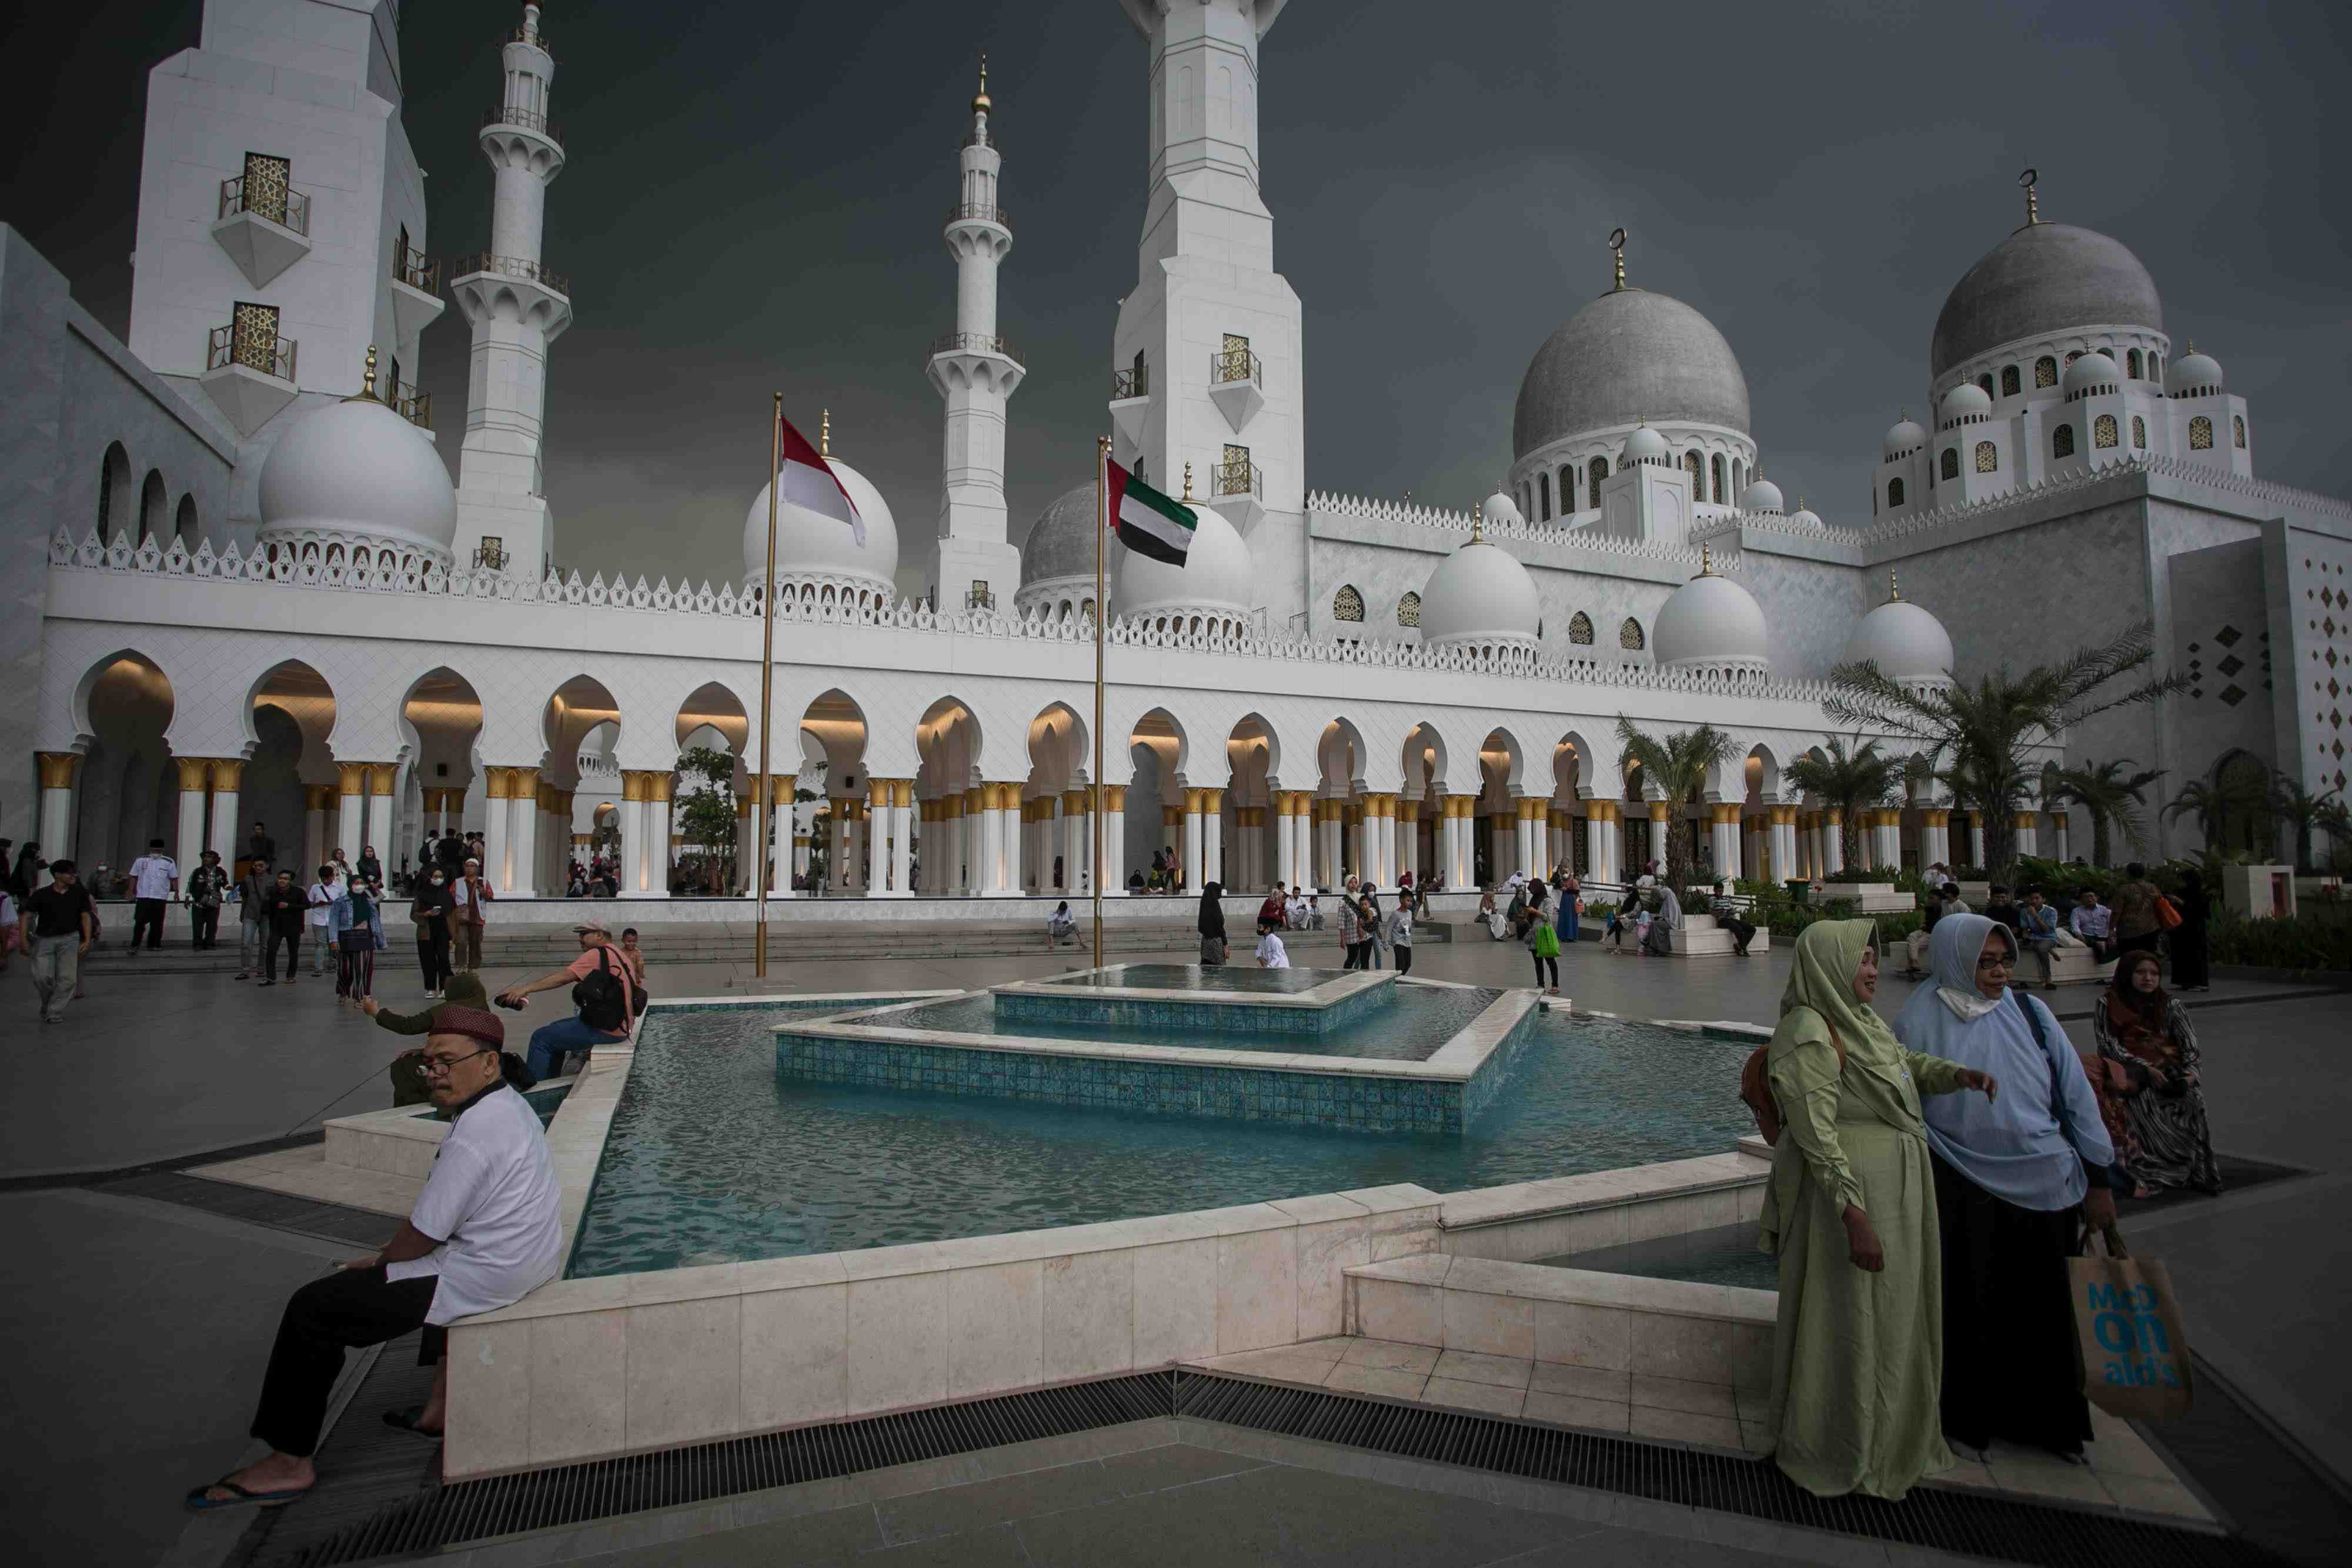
x=575 y=1494
x=1971 y=1523
x=1977 y=1524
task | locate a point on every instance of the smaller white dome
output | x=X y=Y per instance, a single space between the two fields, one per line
x=1501 y=508
x=1763 y=496
x=2092 y=370
x=358 y=469
x=1805 y=517
x=1479 y=594
x=2193 y=373
x=1906 y=436
x=1217 y=581
x=1909 y=645
x=1711 y=623
x=1964 y=400
x=810 y=545
x=1646 y=446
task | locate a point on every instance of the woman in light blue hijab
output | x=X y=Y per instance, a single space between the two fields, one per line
x=2016 y=1176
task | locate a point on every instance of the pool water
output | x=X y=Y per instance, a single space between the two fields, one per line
x=1404 y=1023
x=1724 y=1256
x=1199 y=977
x=714 y=1158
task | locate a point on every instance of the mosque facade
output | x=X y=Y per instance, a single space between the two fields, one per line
x=251 y=590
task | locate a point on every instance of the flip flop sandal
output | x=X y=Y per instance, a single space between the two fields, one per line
x=404 y=1420
x=240 y=1498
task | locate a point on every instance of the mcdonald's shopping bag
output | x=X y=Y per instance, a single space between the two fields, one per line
x=2127 y=1330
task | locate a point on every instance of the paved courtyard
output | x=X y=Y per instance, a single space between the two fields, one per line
x=140 y=1341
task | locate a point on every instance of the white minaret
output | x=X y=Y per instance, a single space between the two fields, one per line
x=517 y=308
x=975 y=372
x=1208 y=356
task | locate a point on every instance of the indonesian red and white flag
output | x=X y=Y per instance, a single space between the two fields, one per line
x=808 y=481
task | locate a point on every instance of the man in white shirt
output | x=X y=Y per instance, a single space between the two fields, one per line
x=323 y=893
x=486 y=1231
x=154 y=878
x=1271 y=953
x=2095 y=923
x=473 y=894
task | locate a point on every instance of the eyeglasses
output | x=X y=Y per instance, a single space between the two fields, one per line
x=443 y=1067
x=1996 y=961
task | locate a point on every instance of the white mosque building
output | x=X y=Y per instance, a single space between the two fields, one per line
x=249 y=589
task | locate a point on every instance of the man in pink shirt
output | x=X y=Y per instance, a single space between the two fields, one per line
x=603 y=998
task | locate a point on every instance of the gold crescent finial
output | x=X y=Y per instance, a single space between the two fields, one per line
x=2033 y=207
x=1188 y=481
x=1705 y=562
x=1617 y=250
x=979 y=103
x=824 y=434
x=1893 y=589
x=2192 y=345
x=1477 y=525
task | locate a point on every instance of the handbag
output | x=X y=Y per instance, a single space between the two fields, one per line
x=2131 y=1344
x=1547 y=942
x=2167 y=913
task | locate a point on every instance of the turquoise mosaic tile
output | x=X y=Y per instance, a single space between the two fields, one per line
x=1151 y=1087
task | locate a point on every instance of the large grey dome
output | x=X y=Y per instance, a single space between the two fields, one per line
x=1061 y=542
x=2044 y=279
x=1631 y=355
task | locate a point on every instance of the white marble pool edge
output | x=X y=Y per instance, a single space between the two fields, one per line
x=1455 y=1061
x=593 y=1368
x=1343 y=983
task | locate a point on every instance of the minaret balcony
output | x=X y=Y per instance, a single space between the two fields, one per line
x=1130 y=403
x=514 y=136
x=511 y=288
x=968 y=359
x=416 y=301
x=249 y=368
x=263 y=223
x=416 y=407
x=1237 y=490
x=980 y=213
x=1236 y=385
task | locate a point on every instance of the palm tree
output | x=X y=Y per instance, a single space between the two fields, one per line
x=1982 y=734
x=1680 y=766
x=2215 y=803
x=1849 y=780
x=2290 y=802
x=2111 y=794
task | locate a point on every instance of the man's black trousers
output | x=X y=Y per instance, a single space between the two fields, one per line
x=348 y=1309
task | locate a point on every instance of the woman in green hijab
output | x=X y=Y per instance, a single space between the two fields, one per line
x=1851 y=1211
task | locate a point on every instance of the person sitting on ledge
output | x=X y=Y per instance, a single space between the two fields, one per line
x=409 y=1084
x=485 y=1232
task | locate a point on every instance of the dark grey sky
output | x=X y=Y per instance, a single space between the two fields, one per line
x=754 y=196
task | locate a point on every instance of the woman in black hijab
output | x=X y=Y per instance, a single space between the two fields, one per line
x=1213 y=925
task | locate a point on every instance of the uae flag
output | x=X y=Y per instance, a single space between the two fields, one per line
x=808 y=481
x=1146 y=521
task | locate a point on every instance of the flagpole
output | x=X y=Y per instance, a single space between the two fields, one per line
x=1102 y=522
x=761 y=804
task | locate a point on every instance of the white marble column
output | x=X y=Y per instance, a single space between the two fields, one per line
x=1832 y=844
x=522 y=837
x=1601 y=837
x=1111 y=874
x=188 y=846
x=1786 y=863
x=1723 y=840
x=350 y=809
x=497 y=828
x=1212 y=838
x=316 y=798
x=1976 y=840
x=777 y=857
x=902 y=838
x=2028 y=833
x=228 y=773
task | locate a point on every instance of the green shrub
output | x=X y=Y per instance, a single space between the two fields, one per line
x=2299 y=944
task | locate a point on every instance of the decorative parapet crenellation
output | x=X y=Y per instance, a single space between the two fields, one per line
x=1409 y=514
x=1905 y=531
x=329 y=572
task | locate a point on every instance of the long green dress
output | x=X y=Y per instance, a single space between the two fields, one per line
x=1858 y=1357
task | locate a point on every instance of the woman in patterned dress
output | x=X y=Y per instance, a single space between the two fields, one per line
x=2145 y=1034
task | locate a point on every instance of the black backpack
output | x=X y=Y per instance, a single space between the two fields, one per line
x=602 y=1002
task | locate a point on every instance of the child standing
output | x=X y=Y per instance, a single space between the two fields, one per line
x=1401 y=933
